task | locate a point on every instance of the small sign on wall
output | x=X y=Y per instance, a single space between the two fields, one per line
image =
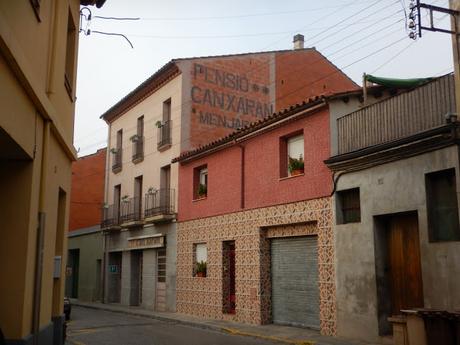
x=113 y=269
x=57 y=267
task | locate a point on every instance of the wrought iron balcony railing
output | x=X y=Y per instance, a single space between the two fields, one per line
x=164 y=135
x=117 y=160
x=110 y=216
x=160 y=203
x=131 y=210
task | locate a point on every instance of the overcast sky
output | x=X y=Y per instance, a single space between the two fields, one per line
x=358 y=36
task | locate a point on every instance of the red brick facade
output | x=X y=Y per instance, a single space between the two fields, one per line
x=227 y=93
x=87 y=196
x=249 y=203
x=263 y=185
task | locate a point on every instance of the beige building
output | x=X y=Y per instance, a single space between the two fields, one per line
x=38 y=59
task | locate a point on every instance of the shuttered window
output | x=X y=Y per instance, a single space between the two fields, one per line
x=442 y=206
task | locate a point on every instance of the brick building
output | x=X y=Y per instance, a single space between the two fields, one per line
x=187 y=103
x=262 y=223
x=84 y=264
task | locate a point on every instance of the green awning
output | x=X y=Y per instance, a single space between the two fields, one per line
x=397 y=83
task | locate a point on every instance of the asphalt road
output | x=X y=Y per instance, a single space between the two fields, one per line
x=98 y=327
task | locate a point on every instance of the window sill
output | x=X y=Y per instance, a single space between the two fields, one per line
x=289 y=177
x=200 y=199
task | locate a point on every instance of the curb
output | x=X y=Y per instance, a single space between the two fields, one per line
x=227 y=330
x=151 y=316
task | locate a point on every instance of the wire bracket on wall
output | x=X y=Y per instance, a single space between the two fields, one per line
x=86 y=18
x=415 y=19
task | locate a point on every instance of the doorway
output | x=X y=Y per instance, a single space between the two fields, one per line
x=398 y=267
x=136 y=277
x=229 y=298
x=73 y=263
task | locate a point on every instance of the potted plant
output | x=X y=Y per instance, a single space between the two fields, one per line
x=151 y=190
x=134 y=138
x=202 y=190
x=113 y=150
x=125 y=198
x=158 y=124
x=200 y=269
x=296 y=166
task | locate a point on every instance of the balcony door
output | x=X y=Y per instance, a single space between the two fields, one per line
x=116 y=202
x=165 y=188
x=137 y=197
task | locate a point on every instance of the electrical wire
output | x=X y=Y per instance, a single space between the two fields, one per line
x=183 y=104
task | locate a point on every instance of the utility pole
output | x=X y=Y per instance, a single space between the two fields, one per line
x=455 y=23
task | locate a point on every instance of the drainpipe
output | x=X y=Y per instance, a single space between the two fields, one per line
x=106 y=200
x=40 y=234
x=242 y=176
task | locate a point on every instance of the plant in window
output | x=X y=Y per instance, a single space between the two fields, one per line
x=296 y=165
x=200 y=269
x=125 y=198
x=202 y=190
x=114 y=150
x=158 y=124
x=135 y=138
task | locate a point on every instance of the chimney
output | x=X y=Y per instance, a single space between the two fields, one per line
x=298 y=41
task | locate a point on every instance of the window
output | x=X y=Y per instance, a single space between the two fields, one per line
x=291 y=155
x=200 y=258
x=442 y=206
x=200 y=182
x=348 y=206
x=165 y=127
x=117 y=153
x=138 y=141
x=161 y=266
x=70 y=56
x=167 y=110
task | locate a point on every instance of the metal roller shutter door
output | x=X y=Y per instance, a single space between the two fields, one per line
x=294 y=270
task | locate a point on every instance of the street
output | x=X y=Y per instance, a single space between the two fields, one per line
x=97 y=327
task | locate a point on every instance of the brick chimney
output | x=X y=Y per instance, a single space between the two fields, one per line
x=298 y=41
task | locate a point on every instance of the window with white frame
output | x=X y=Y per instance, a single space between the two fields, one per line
x=200 y=259
x=295 y=155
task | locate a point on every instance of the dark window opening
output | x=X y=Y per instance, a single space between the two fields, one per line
x=348 y=206
x=442 y=206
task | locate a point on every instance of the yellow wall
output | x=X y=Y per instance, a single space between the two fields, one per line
x=37 y=116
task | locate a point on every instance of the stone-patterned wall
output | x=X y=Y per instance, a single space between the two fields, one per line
x=251 y=231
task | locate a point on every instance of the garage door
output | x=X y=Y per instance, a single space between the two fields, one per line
x=294 y=270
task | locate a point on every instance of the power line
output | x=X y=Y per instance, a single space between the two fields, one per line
x=127 y=129
x=250 y=15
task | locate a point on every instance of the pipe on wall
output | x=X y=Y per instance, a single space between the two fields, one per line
x=40 y=233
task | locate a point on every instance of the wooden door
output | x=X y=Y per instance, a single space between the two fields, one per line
x=232 y=301
x=404 y=263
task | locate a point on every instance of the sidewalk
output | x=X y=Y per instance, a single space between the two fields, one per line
x=282 y=334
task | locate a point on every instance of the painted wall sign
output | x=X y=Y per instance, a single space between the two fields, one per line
x=221 y=98
x=146 y=242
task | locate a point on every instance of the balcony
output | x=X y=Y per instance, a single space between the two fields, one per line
x=164 y=135
x=159 y=206
x=131 y=214
x=138 y=149
x=110 y=218
x=117 y=160
x=402 y=116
